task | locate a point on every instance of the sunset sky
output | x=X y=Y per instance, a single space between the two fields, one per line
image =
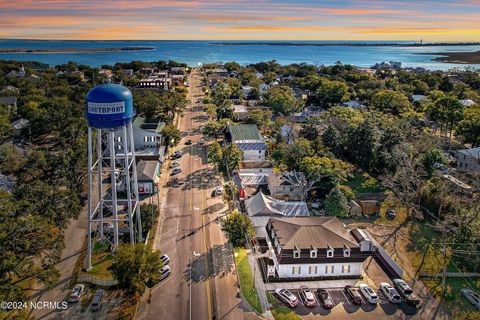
x=453 y=20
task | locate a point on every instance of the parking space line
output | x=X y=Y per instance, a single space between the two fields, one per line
x=346 y=298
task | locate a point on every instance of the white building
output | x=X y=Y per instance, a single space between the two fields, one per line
x=147 y=136
x=249 y=140
x=314 y=247
x=468 y=160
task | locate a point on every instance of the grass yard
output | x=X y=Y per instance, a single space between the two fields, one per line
x=246 y=279
x=284 y=313
x=363 y=183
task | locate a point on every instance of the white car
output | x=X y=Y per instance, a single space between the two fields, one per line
x=368 y=293
x=390 y=293
x=164 y=272
x=76 y=293
x=165 y=259
x=218 y=190
x=287 y=297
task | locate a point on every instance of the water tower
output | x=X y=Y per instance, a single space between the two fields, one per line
x=113 y=203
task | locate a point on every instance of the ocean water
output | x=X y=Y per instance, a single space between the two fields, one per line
x=196 y=52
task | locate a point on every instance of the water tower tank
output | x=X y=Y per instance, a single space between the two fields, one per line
x=109 y=106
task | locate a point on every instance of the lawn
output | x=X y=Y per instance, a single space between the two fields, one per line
x=246 y=279
x=284 y=313
x=363 y=183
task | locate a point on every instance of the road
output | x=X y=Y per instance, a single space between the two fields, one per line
x=203 y=284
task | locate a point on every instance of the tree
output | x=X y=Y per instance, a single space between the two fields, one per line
x=292 y=154
x=215 y=154
x=6 y=130
x=336 y=203
x=281 y=99
x=227 y=158
x=171 y=135
x=430 y=158
x=135 y=265
x=448 y=112
x=262 y=118
x=215 y=129
x=332 y=139
x=391 y=101
x=469 y=126
x=420 y=87
x=362 y=144
x=331 y=92
x=220 y=93
x=238 y=228
x=331 y=171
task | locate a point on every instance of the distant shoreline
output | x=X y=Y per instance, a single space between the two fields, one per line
x=457 y=57
x=74 y=50
x=349 y=44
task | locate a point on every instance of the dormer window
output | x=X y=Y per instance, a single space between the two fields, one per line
x=346 y=251
x=330 y=252
x=313 y=253
x=296 y=253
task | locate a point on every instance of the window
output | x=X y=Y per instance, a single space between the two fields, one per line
x=119 y=139
x=296 y=270
x=329 y=269
x=312 y=269
x=313 y=253
x=296 y=254
x=330 y=253
x=346 y=268
x=346 y=252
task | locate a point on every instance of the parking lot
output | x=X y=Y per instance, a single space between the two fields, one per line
x=343 y=305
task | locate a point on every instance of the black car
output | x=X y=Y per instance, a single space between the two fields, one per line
x=354 y=294
x=97 y=300
x=406 y=292
x=189 y=142
x=390 y=214
x=325 y=299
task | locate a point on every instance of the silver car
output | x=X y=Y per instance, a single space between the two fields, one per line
x=472 y=296
x=368 y=293
x=390 y=293
x=164 y=272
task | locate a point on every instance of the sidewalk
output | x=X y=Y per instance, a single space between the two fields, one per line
x=311 y=284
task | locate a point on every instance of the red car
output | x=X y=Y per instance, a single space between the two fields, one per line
x=354 y=294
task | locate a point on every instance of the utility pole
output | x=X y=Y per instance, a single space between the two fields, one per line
x=444 y=276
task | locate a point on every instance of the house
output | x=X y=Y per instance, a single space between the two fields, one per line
x=286 y=185
x=10 y=102
x=17 y=74
x=468 y=160
x=146 y=173
x=263 y=88
x=12 y=89
x=467 y=103
x=260 y=208
x=178 y=70
x=418 y=98
x=20 y=125
x=249 y=140
x=240 y=111
x=355 y=104
x=314 y=247
x=147 y=136
x=246 y=91
x=7 y=183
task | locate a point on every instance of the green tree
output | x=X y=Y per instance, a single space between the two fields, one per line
x=469 y=127
x=134 y=265
x=225 y=158
x=391 y=101
x=171 y=135
x=238 y=228
x=215 y=129
x=291 y=155
x=220 y=93
x=11 y=160
x=362 y=144
x=215 y=154
x=420 y=87
x=281 y=99
x=332 y=171
x=331 y=92
x=448 y=112
x=430 y=158
x=336 y=203
x=262 y=118
x=332 y=139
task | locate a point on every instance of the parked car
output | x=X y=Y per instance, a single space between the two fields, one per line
x=390 y=214
x=307 y=297
x=390 y=293
x=97 y=300
x=406 y=292
x=76 y=293
x=175 y=164
x=472 y=296
x=189 y=142
x=177 y=154
x=354 y=294
x=325 y=299
x=368 y=293
x=218 y=190
x=287 y=297
x=175 y=171
x=164 y=272
x=201 y=142
x=165 y=259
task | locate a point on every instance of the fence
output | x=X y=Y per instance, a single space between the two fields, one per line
x=450 y=275
x=98 y=282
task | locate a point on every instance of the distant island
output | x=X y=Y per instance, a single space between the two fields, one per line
x=74 y=50
x=350 y=44
x=458 y=57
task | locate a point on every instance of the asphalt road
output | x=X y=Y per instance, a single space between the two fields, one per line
x=203 y=283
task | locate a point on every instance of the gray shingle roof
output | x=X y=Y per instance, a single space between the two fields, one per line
x=146 y=170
